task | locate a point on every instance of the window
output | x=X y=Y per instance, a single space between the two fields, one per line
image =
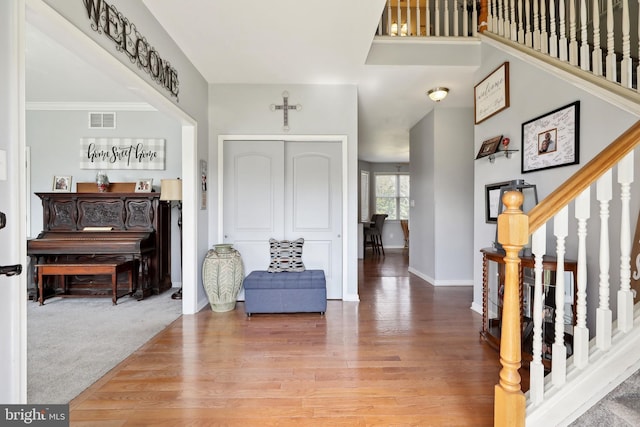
x=392 y=195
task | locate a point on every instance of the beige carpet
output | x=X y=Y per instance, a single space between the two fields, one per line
x=73 y=342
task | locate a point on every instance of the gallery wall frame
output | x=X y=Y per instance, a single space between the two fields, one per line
x=491 y=95
x=489 y=147
x=492 y=201
x=552 y=139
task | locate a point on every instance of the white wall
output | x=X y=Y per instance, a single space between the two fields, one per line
x=326 y=110
x=600 y=124
x=441 y=244
x=423 y=238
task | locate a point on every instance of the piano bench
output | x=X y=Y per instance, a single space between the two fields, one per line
x=89 y=269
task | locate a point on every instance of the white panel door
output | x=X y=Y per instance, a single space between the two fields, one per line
x=253 y=199
x=285 y=190
x=313 y=206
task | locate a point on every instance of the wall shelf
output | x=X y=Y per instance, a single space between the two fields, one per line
x=506 y=153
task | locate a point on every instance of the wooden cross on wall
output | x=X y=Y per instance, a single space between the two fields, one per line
x=285 y=107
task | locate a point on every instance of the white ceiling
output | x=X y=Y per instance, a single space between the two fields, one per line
x=278 y=42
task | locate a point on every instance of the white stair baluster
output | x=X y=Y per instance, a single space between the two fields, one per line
x=580 y=330
x=456 y=21
x=465 y=19
x=585 y=60
x=446 y=18
x=492 y=19
x=513 y=28
x=603 y=314
x=418 y=22
x=625 y=67
x=625 y=296
x=553 y=35
x=612 y=70
x=520 y=23
x=597 y=51
x=558 y=349
x=563 y=53
x=501 y=18
x=536 y=25
x=573 y=42
x=528 y=40
x=536 y=368
x=544 y=35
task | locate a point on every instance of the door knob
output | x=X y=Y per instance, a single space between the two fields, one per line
x=11 y=270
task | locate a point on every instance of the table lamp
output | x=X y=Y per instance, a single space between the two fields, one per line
x=171 y=191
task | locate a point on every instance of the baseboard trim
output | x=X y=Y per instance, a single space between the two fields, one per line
x=434 y=282
x=476 y=307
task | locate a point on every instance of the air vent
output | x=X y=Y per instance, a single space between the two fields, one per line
x=102 y=120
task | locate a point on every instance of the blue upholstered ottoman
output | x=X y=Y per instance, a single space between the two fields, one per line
x=285 y=292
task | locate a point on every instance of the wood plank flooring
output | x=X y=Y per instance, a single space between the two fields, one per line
x=407 y=354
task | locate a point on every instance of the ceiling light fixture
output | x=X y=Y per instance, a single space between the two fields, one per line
x=438 y=94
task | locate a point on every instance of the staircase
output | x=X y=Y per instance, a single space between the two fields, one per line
x=604 y=359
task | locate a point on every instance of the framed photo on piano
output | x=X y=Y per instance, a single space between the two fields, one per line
x=61 y=184
x=144 y=185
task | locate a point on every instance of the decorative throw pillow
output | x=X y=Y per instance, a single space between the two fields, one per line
x=286 y=255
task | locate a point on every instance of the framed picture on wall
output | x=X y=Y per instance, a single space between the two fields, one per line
x=61 y=183
x=551 y=140
x=491 y=95
x=203 y=182
x=492 y=201
x=489 y=147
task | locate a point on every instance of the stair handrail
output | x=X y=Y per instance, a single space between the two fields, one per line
x=514 y=229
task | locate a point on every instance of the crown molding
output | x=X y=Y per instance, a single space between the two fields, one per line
x=89 y=106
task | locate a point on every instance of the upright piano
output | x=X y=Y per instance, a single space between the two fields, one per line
x=105 y=227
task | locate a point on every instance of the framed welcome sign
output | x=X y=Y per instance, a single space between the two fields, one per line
x=491 y=95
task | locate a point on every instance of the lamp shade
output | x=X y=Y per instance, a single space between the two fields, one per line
x=438 y=94
x=170 y=189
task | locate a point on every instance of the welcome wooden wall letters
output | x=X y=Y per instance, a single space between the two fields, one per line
x=106 y=19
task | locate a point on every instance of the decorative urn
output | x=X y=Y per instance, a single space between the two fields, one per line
x=222 y=274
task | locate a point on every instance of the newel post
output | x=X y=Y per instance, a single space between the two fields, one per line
x=513 y=232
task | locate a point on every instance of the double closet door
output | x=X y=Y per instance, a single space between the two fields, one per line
x=285 y=190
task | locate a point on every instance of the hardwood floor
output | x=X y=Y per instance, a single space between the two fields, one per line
x=407 y=354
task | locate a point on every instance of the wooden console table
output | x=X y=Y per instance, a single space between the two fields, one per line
x=493 y=276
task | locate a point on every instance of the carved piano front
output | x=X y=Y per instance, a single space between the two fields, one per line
x=105 y=227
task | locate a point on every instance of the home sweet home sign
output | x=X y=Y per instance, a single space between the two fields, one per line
x=122 y=153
